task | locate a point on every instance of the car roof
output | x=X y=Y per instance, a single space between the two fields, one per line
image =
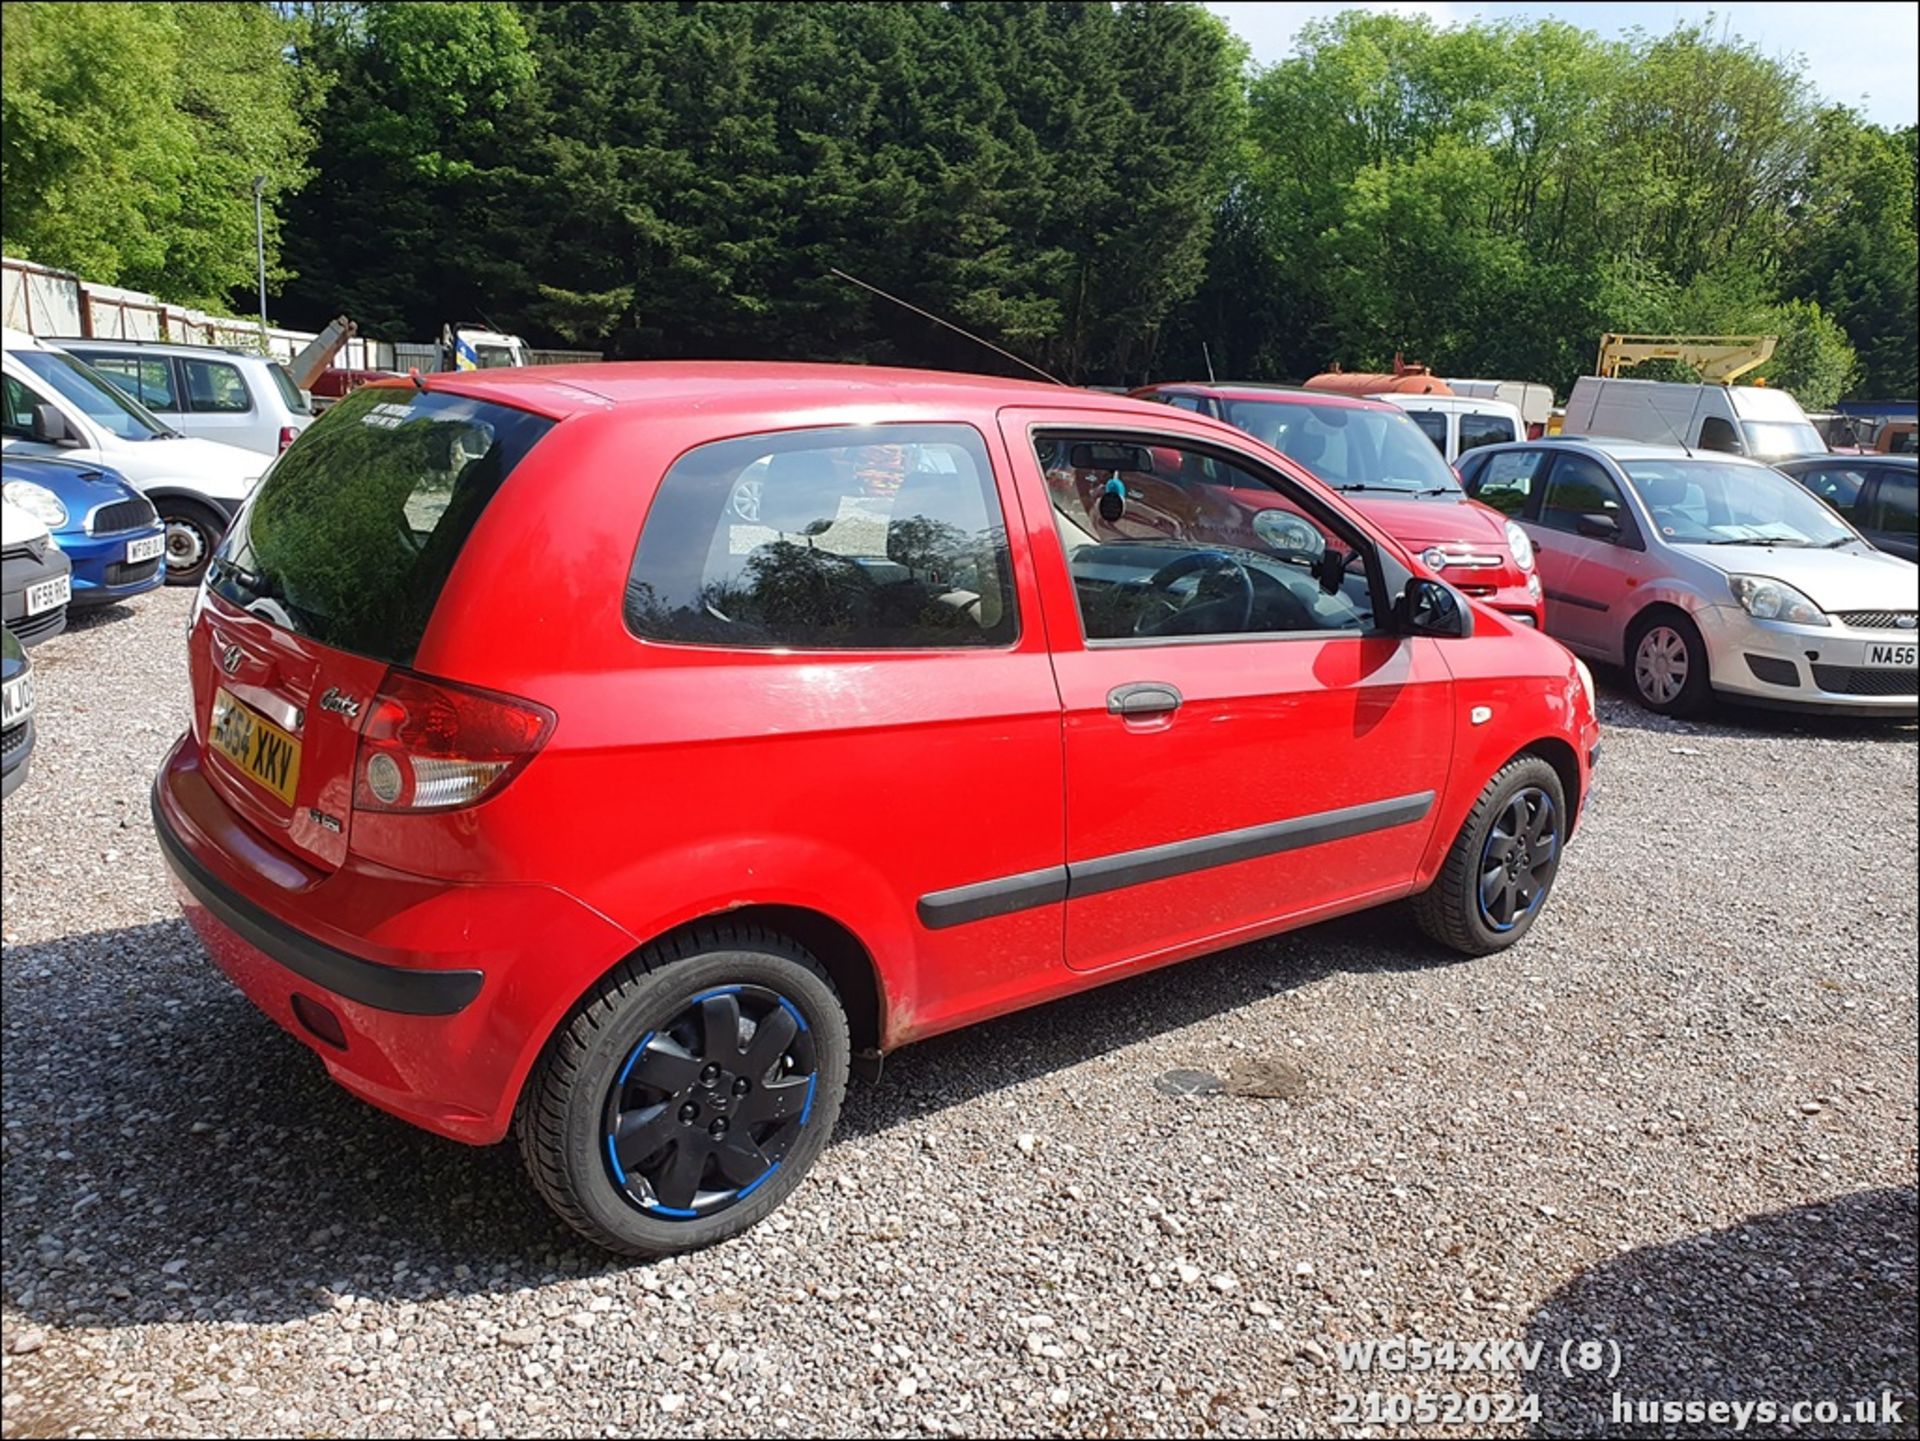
x=174 y=347
x=559 y=391
x=1841 y=457
x=1265 y=390
x=1627 y=449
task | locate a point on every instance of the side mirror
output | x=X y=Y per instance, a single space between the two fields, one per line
x=50 y=427
x=1430 y=607
x=1599 y=527
x=1331 y=569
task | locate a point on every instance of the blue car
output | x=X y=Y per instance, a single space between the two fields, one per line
x=108 y=529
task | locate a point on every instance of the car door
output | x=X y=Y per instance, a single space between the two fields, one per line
x=1590 y=553
x=1231 y=763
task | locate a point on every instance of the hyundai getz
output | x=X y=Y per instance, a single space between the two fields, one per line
x=617 y=755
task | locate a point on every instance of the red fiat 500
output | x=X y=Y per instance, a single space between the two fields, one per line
x=616 y=754
x=1375 y=453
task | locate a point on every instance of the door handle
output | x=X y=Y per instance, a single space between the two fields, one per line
x=1143 y=698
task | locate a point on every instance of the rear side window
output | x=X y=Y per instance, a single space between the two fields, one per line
x=876 y=537
x=1505 y=481
x=215 y=387
x=1476 y=430
x=1894 y=505
x=351 y=536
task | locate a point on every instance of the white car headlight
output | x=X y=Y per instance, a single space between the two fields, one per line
x=1521 y=544
x=37 y=501
x=1586 y=683
x=1770 y=599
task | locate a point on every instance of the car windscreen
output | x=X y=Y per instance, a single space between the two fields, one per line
x=1781 y=437
x=1349 y=447
x=1704 y=502
x=103 y=402
x=353 y=532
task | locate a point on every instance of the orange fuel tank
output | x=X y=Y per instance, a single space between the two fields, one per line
x=1405 y=379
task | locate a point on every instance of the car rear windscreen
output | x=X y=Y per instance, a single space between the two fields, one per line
x=353 y=532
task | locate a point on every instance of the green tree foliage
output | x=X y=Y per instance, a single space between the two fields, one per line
x=408 y=221
x=1106 y=189
x=132 y=134
x=1853 y=246
x=1491 y=198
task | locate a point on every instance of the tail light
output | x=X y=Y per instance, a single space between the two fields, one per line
x=431 y=745
x=288 y=434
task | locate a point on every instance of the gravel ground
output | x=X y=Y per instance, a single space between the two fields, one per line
x=1679 y=1117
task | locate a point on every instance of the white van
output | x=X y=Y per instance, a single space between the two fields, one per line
x=1457 y=424
x=1534 y=400
x=57 y=406
x=1739 y=419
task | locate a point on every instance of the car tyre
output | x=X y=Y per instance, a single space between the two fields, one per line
x=1667 y=664
x=193 y=530
x=637 y=1061
x=1495 y=879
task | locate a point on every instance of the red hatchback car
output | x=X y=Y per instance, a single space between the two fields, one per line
x=1374 y=452
x=618 y=754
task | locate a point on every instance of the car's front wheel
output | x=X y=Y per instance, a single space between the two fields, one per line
x=690 y=1092
x=1501 y=865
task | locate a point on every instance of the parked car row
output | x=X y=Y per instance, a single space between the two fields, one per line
x=1709 y=574
x=59 y=407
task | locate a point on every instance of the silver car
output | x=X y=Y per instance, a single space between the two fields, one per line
x=1704 y=573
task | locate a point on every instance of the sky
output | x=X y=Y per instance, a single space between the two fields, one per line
x=1857 y=54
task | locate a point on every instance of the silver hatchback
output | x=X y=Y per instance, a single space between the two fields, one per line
x=1704 y=573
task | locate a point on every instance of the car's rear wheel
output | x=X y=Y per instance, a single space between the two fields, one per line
x=192 y=530
x=689 y=1093
x=1667 y=661
x=1502 y=864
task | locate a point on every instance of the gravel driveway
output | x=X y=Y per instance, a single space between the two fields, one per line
x=1680 y=1116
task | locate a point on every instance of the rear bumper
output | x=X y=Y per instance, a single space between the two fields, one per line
x=444 y=991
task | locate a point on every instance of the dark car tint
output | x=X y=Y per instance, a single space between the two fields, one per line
x=353 y=533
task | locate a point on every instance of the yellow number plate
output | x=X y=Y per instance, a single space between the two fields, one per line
x=256 y=745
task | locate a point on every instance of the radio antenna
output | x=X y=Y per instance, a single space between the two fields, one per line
x=929 y=315
x=1209 y=355
x=1679 y=437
